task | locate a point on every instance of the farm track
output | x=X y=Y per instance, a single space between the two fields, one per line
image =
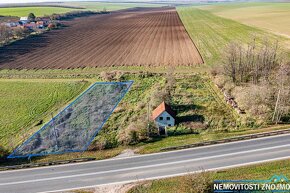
x=133 y=37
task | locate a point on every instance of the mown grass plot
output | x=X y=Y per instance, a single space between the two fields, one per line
x=73 y=129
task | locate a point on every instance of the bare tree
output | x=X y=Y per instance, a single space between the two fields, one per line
x=232 y=61
x=5 y=34
x=251 y=63
x=20 y=32
x=170 y=80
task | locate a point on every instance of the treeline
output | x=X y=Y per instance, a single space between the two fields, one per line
x=259 y=78
x=250 y=63
x=7 y=33
x=39 y=5
x=7 y=18
x=74 y=14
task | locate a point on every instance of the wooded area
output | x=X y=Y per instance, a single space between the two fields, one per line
x=262 y=71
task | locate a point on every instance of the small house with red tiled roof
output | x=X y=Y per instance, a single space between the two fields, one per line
x=164 y=117
x=44 y=20
x=40 y=24
x=31 y=25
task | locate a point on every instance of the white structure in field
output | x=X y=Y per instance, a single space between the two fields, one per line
x=163 y=117
x=24 y=20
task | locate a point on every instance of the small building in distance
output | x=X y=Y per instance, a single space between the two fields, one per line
x=31 y=25
x=12 y=24
x=39 y=23
x=44 y=21
x=163 y=117
x=23 y=20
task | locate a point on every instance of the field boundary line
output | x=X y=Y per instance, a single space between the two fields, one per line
x=203 y=61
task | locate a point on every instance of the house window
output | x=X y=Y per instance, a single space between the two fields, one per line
x=167 y=118
x=169 y=125
x=160 y=118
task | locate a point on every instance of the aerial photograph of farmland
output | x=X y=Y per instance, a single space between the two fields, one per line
x=144 y=96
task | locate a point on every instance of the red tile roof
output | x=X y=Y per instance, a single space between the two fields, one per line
x=161 y=108
x=30 y=25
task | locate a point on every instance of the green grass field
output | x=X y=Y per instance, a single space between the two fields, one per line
x=182 y=184
x=23 y=103
x=38 y=11
x=92 y=6
x=212 y=33
x=99 y=6
x=274 y=17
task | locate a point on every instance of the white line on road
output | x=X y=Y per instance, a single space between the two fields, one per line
x=169 y=176
x=145 y=155
x=142 y=167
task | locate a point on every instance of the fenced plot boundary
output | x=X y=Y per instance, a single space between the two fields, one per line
x=13 y=154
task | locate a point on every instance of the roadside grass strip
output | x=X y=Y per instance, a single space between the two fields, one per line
x=74 y=128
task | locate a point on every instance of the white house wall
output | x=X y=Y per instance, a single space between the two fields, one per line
x=165 y=122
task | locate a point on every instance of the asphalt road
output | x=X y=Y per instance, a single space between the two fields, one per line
x=151 y=166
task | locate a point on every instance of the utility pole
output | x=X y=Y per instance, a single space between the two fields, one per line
x=148 y=118
x=276 y=106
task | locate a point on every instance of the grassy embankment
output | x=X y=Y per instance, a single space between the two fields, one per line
x=212 y=33
x=183 y=184
x=274 y=17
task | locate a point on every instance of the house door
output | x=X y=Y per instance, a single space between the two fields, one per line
x=162 y=131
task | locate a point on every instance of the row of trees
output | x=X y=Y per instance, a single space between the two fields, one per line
x=7 y=33
x=252 y=62
x=262 y=77
x=71 y=15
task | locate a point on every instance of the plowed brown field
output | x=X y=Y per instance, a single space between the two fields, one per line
x=136 y=37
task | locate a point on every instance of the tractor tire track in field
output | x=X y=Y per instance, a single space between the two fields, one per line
x=132 y=37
